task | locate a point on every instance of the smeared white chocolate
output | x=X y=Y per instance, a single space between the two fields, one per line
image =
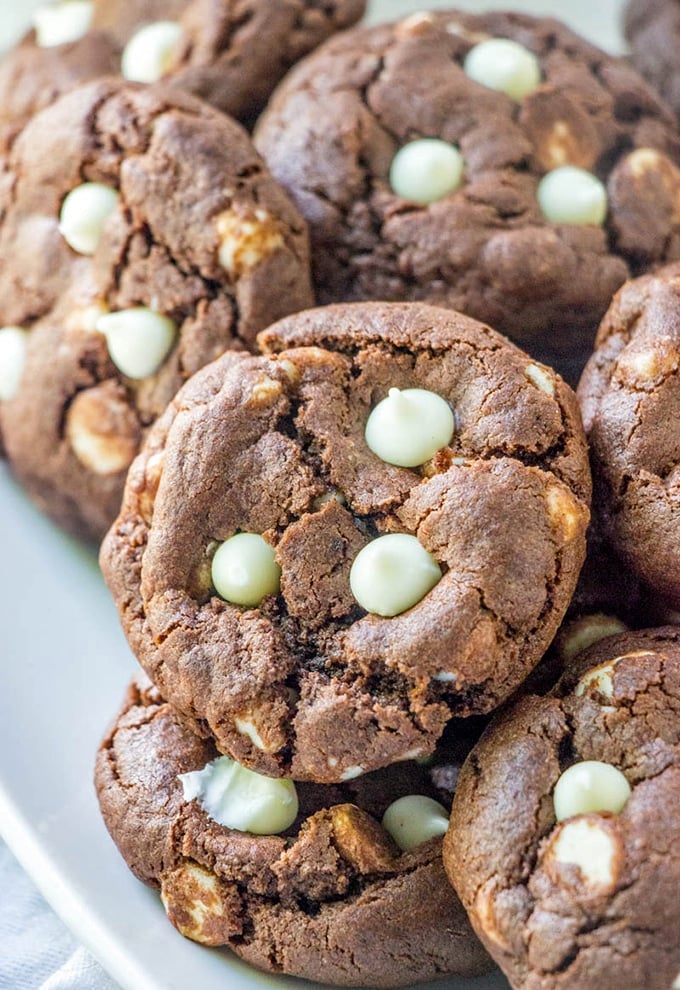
x=237 y=797
x=590 y=847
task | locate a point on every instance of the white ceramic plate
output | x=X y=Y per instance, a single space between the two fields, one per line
x=63 y=669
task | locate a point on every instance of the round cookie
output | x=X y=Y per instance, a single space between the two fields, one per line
x=332 y=899
x=335 y=132
x=358 y=661
x=590 y=899
x=196 y=249
x=653 y=30
x=630 y=399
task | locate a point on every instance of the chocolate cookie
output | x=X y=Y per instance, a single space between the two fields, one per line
x=140 y=237
x=321 y=890
x=230 y=54
x=565 y=833
x=522 y=198
x=630 y=398
x=321 y=607
x=72 y=42
x=653 y=30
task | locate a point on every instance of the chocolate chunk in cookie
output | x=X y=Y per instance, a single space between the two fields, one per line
x=630 y=397
x=300 y=879
x=565 y=830
x=371 y=601
x=140 y=237
x=522 y=197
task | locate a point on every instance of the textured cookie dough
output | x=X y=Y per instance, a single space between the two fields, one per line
x=200 y=235
x=630 y=398
x=334 y=127
x=592 y=901
x=653 y=30
x=230 y=54
x=333 y=899
x=309 y=685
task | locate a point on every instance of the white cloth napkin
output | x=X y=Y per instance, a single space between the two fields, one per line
x=36 y=951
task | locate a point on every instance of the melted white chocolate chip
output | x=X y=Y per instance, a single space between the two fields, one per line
x=13 y=343
x=239 y=798
x=62 y=23
x=588 y=846
x=504 y=65
x=244 y=570
x=408 y=427
x=139 y=340
x=590 y=787
x=392 y=573
x=150 y=52
x=426 y=170
x=414 y=819
x=84 y=213
x=572 y=196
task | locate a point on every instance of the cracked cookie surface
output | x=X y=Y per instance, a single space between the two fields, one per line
x=200 y=234
x=230 y=54
x=591 y=900
x=332 y=899
x=332 y=130
x=630 y=398
x=309 y=684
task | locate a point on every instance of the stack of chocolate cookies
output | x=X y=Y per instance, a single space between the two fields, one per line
x=393 y=725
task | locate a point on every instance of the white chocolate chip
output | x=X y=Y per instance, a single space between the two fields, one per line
x=61 y=23
x=332 y=761
x=408 y=427
x=238 y=798
x=150 y=52
x=351 y=773
x=644 y=160
x=676 y=984
x=564 y=513
x=446 y=677
x=504 y=65
x=139 y=340
x=572 y=196
x=246 y=240
x=588 y=845
x=248 y=728
x=541 y=378
x=84 y=213
x=426 y=170
x=590 y=787
x=392 y=573
x=103 y=430
x=83 y=319
x=244 y=570
x=414 y=819
x=13 y=343
x=193 y=899
x=266 y=391
x=598 y=679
